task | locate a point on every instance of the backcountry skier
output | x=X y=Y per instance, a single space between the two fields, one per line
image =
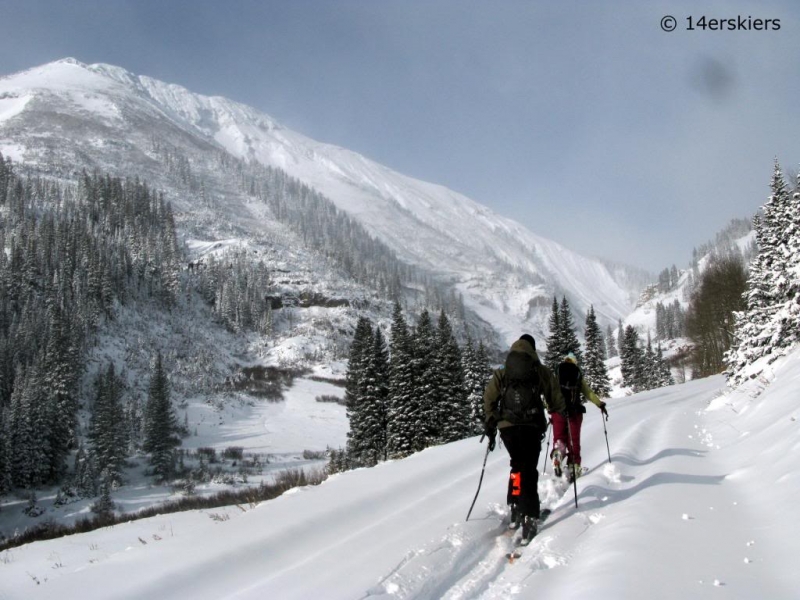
x=566 y=454
x=512 y=403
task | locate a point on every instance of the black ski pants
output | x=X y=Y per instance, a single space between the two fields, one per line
x=524 y=444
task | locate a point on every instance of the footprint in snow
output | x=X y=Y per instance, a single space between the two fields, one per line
x=612 y=474
x=596 y=518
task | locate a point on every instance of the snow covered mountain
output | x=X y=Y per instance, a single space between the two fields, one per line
x=65 y=116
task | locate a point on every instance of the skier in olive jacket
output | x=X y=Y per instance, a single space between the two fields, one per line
x=522 y=435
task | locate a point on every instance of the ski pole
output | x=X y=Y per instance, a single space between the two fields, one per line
x=480 y=481
x=605 y=431
x=547 y=447
x=572 y=461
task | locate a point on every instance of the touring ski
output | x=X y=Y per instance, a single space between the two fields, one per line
x=523 y=541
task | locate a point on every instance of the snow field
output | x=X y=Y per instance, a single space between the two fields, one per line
x=696 y=503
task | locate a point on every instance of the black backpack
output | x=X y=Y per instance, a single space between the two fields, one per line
x=569 y=378
x=521 y=398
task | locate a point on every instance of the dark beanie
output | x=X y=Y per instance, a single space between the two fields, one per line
x=528 y=338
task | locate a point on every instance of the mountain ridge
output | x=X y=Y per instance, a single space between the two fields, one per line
x=506 y=273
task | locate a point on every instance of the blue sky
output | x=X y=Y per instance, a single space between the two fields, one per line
x=584 y=121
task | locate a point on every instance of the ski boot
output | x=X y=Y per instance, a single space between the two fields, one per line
x=574 y=471
x=557 y=458
x=530 y=528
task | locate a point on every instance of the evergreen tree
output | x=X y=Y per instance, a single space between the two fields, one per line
x=631 y=361
x=84 y=477
x=379 y=392
x=108 y=430
x=663 y=375
x=452 y=403
x=612 y=350
x=594 y=366
x=649 y=374
x=23 y=448
x=359 y=351
x=476 y=376
x=161 y=425
x=104 y=505
x=61 y=382
x=555 y=342
x=771 y=320
x=404 y=409
x=428 y=383
x=661 y=322
x=367 y=436
x=569 y=338
x=5 y=443
x=134 y=419
x=562 y=339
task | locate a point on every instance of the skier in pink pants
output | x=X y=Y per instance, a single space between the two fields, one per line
x=567 y=444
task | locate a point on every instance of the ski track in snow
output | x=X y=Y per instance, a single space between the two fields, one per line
x=460 y=566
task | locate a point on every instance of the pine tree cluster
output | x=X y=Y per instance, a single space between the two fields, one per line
x=670 y=321
x=234 y=285
x=71 y=252
x=770 y=324
x=668 y=280
x=562 y=339
x=642 y=368
x=421 y=391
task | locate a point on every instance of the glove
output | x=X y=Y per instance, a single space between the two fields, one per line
x=602 y=407
x=490 y=432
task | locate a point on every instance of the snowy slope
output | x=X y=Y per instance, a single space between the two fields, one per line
x=698 y=502
x=100 y=115
x=643 y=317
